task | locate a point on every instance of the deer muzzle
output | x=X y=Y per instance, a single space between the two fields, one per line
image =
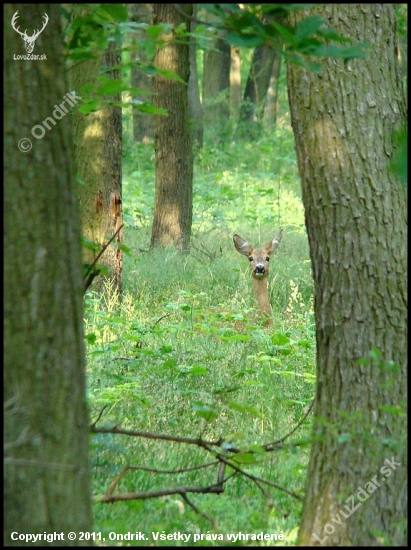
x=259 y=271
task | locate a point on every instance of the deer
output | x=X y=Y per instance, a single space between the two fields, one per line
x=259 y=266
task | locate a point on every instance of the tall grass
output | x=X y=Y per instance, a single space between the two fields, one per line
x=185 y=354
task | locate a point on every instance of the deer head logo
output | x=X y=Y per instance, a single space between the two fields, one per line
x=29 y=41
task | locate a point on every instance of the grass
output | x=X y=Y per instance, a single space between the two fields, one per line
x=184 y=353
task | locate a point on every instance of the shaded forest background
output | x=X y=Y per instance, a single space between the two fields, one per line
x=201 y=416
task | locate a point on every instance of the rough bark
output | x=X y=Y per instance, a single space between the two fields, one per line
x=98 y=157
x=173 y=149
x=356 y=218
x=46 y=477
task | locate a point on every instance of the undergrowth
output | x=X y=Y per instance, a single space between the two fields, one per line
x=184 y=354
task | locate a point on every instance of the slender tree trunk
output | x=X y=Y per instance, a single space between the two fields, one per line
x=46 y=476
x=142 y=122
x=173 y=150
x=195 y=109
x=98 y=157
x=271 y=103
x=356 y=217
x=235 y=81
x=257 y=83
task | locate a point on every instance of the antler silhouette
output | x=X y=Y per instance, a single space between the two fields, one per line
x=29 y=41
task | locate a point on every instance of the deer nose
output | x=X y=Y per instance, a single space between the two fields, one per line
x=259 y=270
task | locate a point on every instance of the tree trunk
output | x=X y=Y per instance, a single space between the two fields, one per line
x=142 y=122
x=46 y=479
x=257 y=83
x=235 y=81
x=173 y=150
x=216 y=86
x=98 y=152
x=356 y=218
x=195 y=109
x=271 y=103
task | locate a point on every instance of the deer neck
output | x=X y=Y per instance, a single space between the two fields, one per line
x=261 y=295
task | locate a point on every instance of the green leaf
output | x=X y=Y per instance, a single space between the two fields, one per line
x=375 y=353
x=89 y=244
x=228 y=389
x=279 y=339
x=243 y=408
x=111 y=87
x=124 y=248
x=91 y=338
x=154 y=31
x=204 y=411
x=308 y=26
x=148 y=108
x=285 y=34
x=169 y=363
x=243 y=40
x=169 y=74
x=235 y=338
x=305 y=343
x=196 y=370
x=113 y=12
x=245 y=458
x=90 y=106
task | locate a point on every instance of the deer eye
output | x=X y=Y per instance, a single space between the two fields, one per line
x=250 y=258
x=267 y=259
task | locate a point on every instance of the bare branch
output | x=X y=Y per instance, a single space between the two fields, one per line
x=149 y=435
x=199 y=512
x=270 y=446
x=91 y=270
x=158 y=493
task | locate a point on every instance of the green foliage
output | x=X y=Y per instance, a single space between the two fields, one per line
x=399 y=163
x=186 y=354
x=252 y=25
x=401 y=12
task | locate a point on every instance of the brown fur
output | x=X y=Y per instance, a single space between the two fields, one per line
x=259 y=266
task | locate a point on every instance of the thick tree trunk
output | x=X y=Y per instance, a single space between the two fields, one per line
x=98 y=157
x=46 y=477
x=173 y=150
x=356 y=218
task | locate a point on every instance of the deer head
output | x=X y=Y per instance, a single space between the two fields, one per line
x=259 y=259
x=29 y=41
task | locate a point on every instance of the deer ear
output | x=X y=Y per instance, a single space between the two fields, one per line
x=272 y=245
x=242 y=246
